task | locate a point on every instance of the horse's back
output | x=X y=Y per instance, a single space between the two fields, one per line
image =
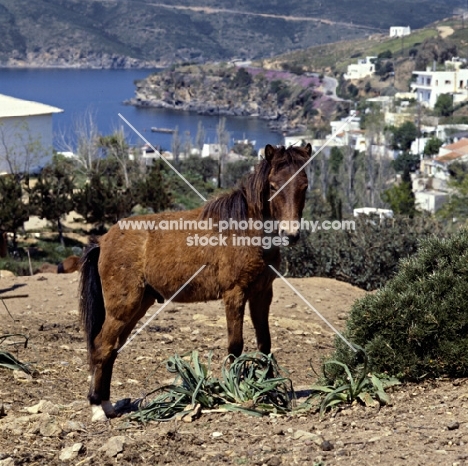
x=165 y=257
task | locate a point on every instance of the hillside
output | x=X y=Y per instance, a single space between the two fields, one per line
x=127 y=33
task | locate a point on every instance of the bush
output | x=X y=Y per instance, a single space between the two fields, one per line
x=417 y=325
x=366 y=257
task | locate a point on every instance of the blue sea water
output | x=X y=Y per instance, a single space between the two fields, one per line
x=101 y=93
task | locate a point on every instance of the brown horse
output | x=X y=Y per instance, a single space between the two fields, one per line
x=128 y=269
x=69 y=265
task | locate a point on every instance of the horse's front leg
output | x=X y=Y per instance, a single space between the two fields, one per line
x=259 y=304
x=234 y=301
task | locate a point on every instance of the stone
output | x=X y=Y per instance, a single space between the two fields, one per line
x=44 y=406
x=304 y=435
x=7 y=462
x=70 y=453
x=113 y=446
x=453 y=425
x=327 y=446
x=49 y=427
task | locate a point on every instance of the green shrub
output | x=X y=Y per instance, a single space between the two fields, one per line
x=366 y=257
x=417 y=325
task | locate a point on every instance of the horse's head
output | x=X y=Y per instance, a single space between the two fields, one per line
x=287 y=187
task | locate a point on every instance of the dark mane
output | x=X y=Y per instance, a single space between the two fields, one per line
x=247 y=200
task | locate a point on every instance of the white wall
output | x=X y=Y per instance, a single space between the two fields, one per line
x=26 y=142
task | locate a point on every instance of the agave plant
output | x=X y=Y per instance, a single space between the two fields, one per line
x=250 y=383
x=364 y=387
x=9 y=361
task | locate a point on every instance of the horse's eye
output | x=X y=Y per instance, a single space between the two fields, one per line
x=272 y=188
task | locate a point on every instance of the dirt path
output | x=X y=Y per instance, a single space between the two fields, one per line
x=445 y=31
x=211 y=10
x=426 y=425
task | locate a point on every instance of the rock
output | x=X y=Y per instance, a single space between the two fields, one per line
x=113 y=446
x=217 y=434
x=6 y=274
x=327 y=446
x=7 y=462
x=44 y=406
x=304 y=435
x=49 y=427
x=74 y=426
x=22 y=376
x=453 y=425
x=274 y=461
x=70 y=453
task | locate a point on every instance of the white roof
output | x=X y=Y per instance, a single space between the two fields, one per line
x=13 y=107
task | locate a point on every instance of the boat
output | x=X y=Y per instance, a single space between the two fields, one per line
x=162 y=130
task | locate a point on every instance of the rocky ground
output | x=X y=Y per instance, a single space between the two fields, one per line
x=46 y=420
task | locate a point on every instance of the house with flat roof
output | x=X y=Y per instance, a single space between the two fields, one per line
x=363 y=68
x=430 y=84
x=25 y=134
x=400 y=31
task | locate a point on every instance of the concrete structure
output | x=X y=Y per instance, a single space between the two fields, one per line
x=430 y=201
x=382 y=213
x=214 y=150
x=400 y=31
x=26 y=134
x=430 y=85
x=364 y=67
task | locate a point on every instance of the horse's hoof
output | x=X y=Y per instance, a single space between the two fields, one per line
x=108 y=409
x=98 y=414
x=102 y=412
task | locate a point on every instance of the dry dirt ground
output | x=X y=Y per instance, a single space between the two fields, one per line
x=426 y=424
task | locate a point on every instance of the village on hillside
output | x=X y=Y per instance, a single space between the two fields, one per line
x=405 y=137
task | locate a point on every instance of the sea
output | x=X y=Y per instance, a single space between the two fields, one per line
x=99 y=95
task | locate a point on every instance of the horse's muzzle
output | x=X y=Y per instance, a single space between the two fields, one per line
x=293 y=238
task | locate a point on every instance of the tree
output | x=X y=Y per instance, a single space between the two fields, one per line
x=401 y=197
x=104 y=197
x=223 y=139
x=200 y=137
x=52 y=195
x=406 y=162
x=236 y=170
x=444 y=105
x=20 y=151
x=432 y=146
x=151 y=190
x=14 y=210
x=115 y=146
x=404 y=135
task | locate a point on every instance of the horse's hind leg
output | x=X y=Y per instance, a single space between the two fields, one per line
x=234 y=301
x=259 y=304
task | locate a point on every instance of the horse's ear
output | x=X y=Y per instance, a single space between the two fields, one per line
x=308 y=149
x=269 y=153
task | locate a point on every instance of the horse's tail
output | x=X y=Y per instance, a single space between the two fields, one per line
x=92 y=308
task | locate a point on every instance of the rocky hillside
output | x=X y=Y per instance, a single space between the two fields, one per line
x=289 y=101
x=124 y=33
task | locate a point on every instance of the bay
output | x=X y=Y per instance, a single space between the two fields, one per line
x=101 y=95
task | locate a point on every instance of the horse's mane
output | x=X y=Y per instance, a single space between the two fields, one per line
x=247 y=199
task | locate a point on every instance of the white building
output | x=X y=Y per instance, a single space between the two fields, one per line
x=26 y=134
x=400 y=31
x=364 y=67
x=430 y=85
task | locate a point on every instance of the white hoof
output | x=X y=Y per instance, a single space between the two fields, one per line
x=98 y=414
x=102 y=412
